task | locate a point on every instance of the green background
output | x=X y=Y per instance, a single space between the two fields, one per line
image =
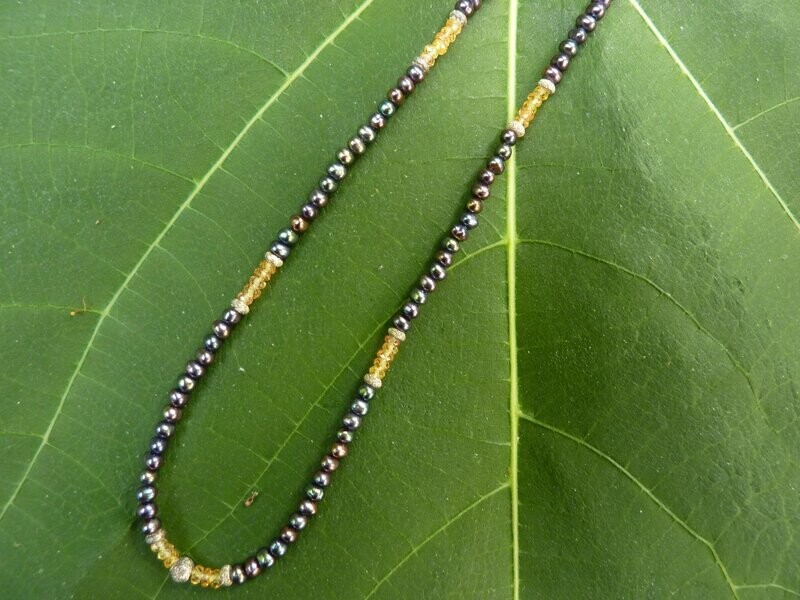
x=602 y=402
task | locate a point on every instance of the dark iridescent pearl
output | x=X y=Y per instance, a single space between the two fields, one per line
x=366 y=133
x=158 y=445
x=339 y=451
x=251 y=567
x=277 y=548
x=288 y=535
x=280 y=250
x=221 y=329
x=308 y=212
x=230 y=316
x=401 y=323
x=427 y=283
x=406 y=85
x=508 y=137
x=146 y=494
x=396 y=96
x=586 y=22
x=553 y=74
x=561 y=61
x=365 y=392
x=346 y=156
x=438 y=272
x=153 y=462
x=322 y=479
x=415 y=73
x=237 y=574
x=148 y=477
x=357 y=146
x=165 y=430
x=307 y=508
x=469 y=220
x=328 y=184
x=410 y=310
x=147 y=511
x=459 y=232
x=337 y=171
x=351 y=421
x=151 y=526
x=450 y=245
x=185 y=384
x=286 y=236
x=178 y=399
x=504 y=151
x=172 y=414
x=444 y=258
x=194 y=369
x=419 y=296
x=360 y=408
x=481 y=191
x=212 y=343
x=264 y=558
x=386 y=108
x=315 y=493
x=377 y=121
x=204 y=357
x=578 y=35
x=569 y=47
x=298 y=521
x=345 y=436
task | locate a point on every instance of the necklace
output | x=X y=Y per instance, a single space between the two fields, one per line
x=181 y=567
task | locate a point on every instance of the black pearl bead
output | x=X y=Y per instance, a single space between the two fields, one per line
x=438 y=272
x=553 y=74
x=280 y=250
x=146 y=494
x=415 y=73
x=178 y=399
x=357 y=145
x=308 y=212
x=377 y=121
x=328 y=184
x=476 y=4
x=486 y=177
x=212 y=343
x=401 y=323
x=148 y=477
x=237 y=574
x=230 y=316
x=365 y=392
x=165 y=430
x=396 y=96
x=158 y=445
x=337 y=171
x=459 y=232
x=185 y=384
x=504 y=151
x=221 y=329
x=569 y=47
x=147 y=511
x=586 y=23
x=151 y=526
x=359 y=407
x=427 y=284
x=277 y=548
x=194 y=369
x=153 y=462
x=298 y=521
x=508 y=137
x=469 y=220
x=444 y=258
x=406 y=85
x=419 y=296
x=481 y=191
x=366 y=133
x=561 y=61
x=264 y=558
x=315 y=493
x=596 y=10
x=322 y=479
x=204 y=357
x=450 y=245
x=329 y=464
x=465 y=6
x=318 y=198
x=351 y=421
x=172 y=414
x=345 y=436
x=386 y=108
x=287 y=236
x=410 y=310
x=578 y=35
x=289 y=535
x=346 y=156
x=251 y=567
x=339 y=451
x=308 y=508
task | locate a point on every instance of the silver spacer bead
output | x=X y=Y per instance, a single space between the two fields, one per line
x=373 y=381
x=548 y=85
x=225 y=576
x=420 y=63
x=181 y=571
x=240 y=306
x=517 y=128
x=274 y=259
x=397 y=334
x=155 y=537
x=457 y=14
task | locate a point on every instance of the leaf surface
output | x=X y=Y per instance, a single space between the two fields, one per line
x=603 y=400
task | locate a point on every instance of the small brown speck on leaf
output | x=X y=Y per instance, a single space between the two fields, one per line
x=248 y=502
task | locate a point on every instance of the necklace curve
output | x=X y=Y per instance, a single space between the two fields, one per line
x=181 y=567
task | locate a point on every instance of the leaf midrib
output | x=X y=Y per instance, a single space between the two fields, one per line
x=296 y=74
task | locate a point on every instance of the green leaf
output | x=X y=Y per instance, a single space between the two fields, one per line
x=602 y=402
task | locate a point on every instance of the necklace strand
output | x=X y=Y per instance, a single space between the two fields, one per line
x=181 y=567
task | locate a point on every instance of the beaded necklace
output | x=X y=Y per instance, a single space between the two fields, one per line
x=181 y=567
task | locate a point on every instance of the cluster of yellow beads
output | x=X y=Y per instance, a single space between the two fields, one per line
x=165 y=551
x=532 y=103
x=206 y=577
x=262 y=274
x=385 y=356
x=441 y=42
